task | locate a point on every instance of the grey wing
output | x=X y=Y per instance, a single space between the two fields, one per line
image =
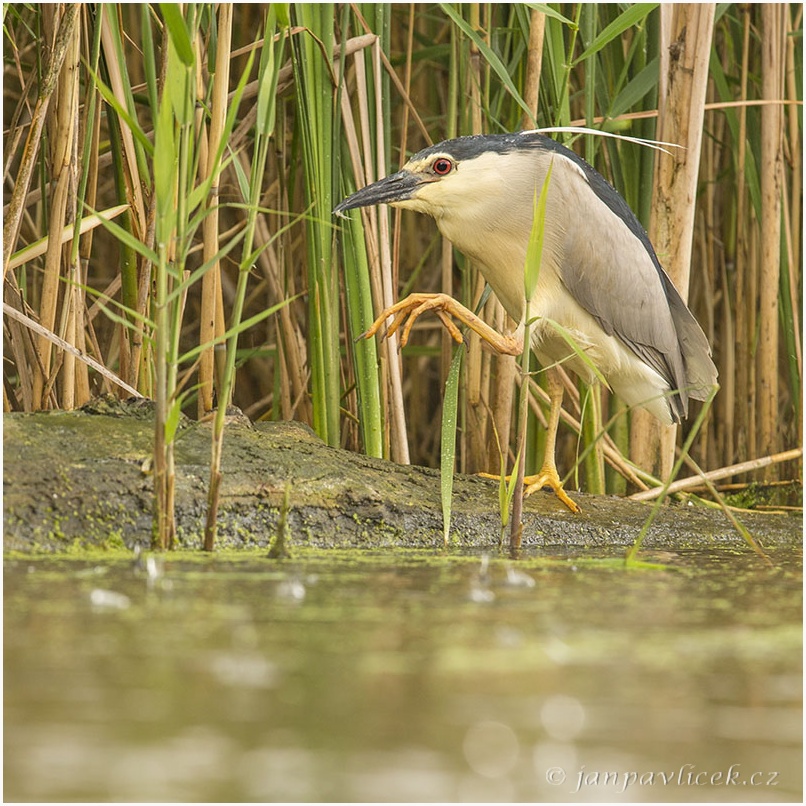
x=701 y=372
x=610 y=268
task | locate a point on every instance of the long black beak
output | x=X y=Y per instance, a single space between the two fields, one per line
x=394 y=188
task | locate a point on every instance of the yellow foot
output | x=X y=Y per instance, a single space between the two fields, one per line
x=547 y=477
x=406 y=311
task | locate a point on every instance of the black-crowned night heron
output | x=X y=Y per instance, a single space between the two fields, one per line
x=600 y=278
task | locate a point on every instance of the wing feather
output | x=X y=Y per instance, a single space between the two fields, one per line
x=614 y=274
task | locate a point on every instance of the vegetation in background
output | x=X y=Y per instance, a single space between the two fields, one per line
x=215 y=194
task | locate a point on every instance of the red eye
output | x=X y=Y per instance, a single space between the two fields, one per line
x=442 y=166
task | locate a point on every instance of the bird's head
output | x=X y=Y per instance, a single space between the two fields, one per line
x=455 y=176
x=413 y=187
x=480 y=190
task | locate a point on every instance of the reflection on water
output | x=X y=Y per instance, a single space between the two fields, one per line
x=403 y=676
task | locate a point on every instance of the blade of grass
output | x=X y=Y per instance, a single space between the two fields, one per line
x=447 y=461
x=312 y=59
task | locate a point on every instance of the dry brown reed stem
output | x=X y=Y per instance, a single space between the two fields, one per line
x=139 y=373
x=91 y=128
x=474 y=450
x=396 y=416
x=62 y=125
x=792 y=268
x=73 y=304
x=722 y=473
x=210 y=322
x=773 y=37
x=686 y=34
x=21 y=341
x=390 y=350
x=13 y=216
x=396 y=214
x=134 y=191
x=534 y=60
x=794 y=138
x=363 y=171
x=13 y=131
x=399 y=88
x=130 y=343
x=725 y=402
x=404 y=124
x=743 y=414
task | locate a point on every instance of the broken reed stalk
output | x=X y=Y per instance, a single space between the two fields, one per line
x=72 y=303
x=34 y=326
x=722 y=473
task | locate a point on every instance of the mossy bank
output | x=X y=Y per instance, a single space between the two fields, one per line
x=83 y=479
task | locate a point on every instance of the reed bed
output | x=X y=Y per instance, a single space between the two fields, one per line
x=170 y=173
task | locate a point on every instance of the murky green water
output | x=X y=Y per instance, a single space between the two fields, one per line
x=404 y=677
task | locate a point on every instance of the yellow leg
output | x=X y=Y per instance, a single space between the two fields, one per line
x=415 y=305
x=548 y=476
x=405 y=313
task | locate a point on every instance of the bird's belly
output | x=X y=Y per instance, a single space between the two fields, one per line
x=563 y=332
x=552 y=311
x=557 y=319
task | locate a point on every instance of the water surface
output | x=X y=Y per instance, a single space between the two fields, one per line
x=405 y=676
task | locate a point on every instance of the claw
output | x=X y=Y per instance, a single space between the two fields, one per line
x=444 y=306
x=547 y=477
